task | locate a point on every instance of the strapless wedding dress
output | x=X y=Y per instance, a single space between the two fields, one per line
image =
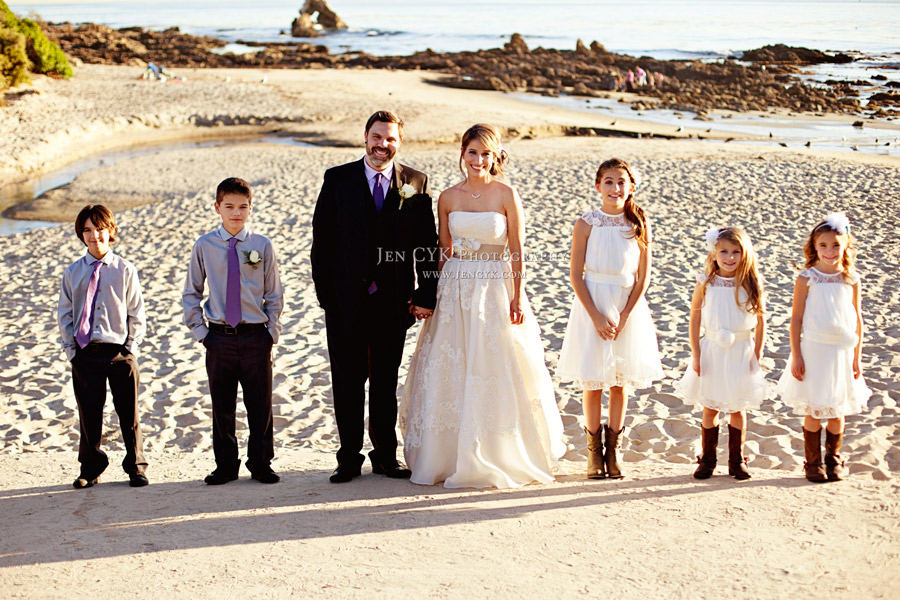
x=478 y=408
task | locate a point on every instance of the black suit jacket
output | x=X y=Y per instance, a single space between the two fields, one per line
x=354 y=245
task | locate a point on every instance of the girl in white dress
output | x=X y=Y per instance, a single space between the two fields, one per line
x=724 y=375
x=478 y=408
x=610 y=338
x=825 y=379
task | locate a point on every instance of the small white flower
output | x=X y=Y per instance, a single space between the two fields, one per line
x=839 y=222
x=712 y=236
x=725 y=338
x=251 y=258
x=407 y=191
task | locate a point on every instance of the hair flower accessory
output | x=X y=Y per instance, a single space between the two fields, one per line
x=712 y=236
x=638 y=179
x=839 y=222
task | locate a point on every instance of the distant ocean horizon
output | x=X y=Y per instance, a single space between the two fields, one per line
x=662 y=29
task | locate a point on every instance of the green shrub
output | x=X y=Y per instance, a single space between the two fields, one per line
x=46 y=57
x=14 y=63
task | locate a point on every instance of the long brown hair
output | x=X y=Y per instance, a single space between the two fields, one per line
x=747 y=274
x=847 y=260
x=489 y=136
x=633 y=213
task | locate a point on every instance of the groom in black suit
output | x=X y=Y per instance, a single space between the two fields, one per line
x=374 y=264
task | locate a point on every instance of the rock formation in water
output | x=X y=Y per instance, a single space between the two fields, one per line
x=314 y=16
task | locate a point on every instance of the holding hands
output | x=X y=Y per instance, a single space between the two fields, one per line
x=418 y=312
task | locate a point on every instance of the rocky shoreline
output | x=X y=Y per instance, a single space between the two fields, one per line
x=768 y=81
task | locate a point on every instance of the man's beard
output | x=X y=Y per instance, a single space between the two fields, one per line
x=377 y=161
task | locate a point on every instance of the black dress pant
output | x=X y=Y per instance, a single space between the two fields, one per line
x=92 y=367
x=366 y=346
x=246 y=358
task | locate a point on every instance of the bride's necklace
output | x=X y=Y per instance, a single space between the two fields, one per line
x=476 y=196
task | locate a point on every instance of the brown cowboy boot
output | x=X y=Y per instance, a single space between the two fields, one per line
x=834 y=465
x=596 y=469
x=737 y=464
x=707 y=461
x=813 y=465
x=612 y=444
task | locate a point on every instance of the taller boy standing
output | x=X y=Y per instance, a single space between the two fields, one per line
x=374 y=239
x=101 y=322
x=240 y=326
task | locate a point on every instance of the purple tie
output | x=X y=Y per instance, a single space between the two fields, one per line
x=233 y=286
x=83 y=336
x=378 y=192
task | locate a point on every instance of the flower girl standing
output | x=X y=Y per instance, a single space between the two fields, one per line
x=825 y=379
x=724 y=376
x=610 y=338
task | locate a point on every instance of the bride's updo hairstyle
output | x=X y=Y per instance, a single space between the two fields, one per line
x=490 y=138
x=633 y=213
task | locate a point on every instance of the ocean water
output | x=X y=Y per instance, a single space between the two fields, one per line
x=657 y=28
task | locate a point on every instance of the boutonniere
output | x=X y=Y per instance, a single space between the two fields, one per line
x=406 y=192
x=251 y=258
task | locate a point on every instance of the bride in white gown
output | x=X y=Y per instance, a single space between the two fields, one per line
x=478 y=408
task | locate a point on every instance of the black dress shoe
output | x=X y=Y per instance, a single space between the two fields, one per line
x=395 y=470
x=218 y=477
x=137 y=480
x=266 y=475
x=344 y=473
x=84 y=482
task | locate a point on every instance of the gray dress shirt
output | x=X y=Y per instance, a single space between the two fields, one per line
x=262 y=297
x=119 y=308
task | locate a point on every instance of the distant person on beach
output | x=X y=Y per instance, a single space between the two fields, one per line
x=610 y=339
x=727 y=335
x=238 y=324
x=629 y=81
x=101 y=322
x=825 y=379
x=478 y=407
x=374 y=264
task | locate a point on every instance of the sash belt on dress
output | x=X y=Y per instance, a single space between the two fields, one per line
x=727 y=338
x=845 y=339
x=624 y=281
x=483 y=252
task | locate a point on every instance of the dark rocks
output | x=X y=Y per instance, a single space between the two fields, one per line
x=303 y=27
x=99 y=44
x=791 y=55
x=516 y=44
x=884 y=99
x=681 y=85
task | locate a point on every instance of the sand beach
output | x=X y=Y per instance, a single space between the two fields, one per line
x=656 y=533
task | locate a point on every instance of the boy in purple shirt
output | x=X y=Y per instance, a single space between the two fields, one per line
x=101 y=322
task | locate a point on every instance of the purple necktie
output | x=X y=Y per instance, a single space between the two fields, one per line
x=233 y=286
x=378 y=192
x=83 y=335
x=378 y=196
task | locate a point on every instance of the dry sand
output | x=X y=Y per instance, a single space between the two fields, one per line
x=656 y=533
